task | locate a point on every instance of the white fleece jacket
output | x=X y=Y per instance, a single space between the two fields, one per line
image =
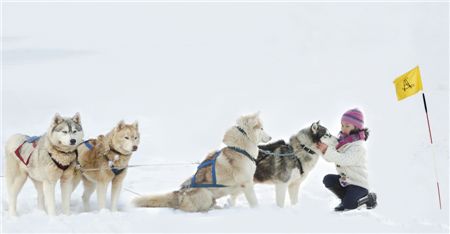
x=351 y=162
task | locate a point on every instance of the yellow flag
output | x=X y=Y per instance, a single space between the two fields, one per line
x=408 y=84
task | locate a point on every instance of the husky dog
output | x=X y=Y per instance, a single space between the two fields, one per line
x=225 y=172
x=44 y=159
x=287 y=165
x=104 y=160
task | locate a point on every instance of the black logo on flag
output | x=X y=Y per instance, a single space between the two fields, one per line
x=407 y=85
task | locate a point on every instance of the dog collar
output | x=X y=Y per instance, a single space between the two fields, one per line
x=241 y=130
x=117 y=152
x=305 y=148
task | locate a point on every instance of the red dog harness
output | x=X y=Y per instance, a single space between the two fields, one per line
x=32 y=140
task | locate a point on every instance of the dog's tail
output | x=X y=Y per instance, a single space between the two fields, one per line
x=163 y=200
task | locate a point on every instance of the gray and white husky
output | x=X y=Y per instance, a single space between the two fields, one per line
x=45 y=160
x=287 y=165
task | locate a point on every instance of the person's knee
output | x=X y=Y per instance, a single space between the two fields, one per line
x=329 y=180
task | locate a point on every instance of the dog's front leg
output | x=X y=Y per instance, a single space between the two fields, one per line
x=101 y=194
x=116 y=187
x=233 y=197
x=250 y=194
x=293 y=191
x=280 y=190
x=66 y=190
x=49 y=196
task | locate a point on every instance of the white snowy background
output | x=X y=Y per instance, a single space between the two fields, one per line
x=187 y=71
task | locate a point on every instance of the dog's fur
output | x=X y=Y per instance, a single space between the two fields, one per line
x=284 y=171
x=232 y=169
x=95 y=170
x=61 y=141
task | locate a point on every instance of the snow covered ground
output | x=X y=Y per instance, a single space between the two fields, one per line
x=186 y=71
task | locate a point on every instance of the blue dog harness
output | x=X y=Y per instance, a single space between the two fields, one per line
x=88 y=145
x=212 y=163
x=32 y=139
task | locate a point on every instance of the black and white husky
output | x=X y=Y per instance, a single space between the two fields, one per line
x=287 y=165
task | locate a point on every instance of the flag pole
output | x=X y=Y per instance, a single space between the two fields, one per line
x=431 y=142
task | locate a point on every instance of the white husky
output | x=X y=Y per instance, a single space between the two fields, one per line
x=45 y=160
x=225 y=172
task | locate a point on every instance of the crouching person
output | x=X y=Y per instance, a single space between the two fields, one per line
x=350 y=156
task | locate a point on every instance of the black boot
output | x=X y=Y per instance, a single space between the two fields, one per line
x=370 y=201
x=339 y=192
x=339 y=208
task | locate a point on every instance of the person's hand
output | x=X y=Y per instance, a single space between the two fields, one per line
x=322 y=147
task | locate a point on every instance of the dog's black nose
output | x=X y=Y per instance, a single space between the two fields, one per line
x=73 y=141
x=134 y=147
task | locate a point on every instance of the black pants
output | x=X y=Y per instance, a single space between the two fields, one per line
x=349 y=194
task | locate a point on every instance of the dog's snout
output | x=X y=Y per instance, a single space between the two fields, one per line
x=266 y=139
x=73 y=141
x=135 y=147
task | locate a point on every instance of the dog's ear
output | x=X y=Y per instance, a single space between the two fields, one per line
x=57 y=119
x=120 y=125
x=136 y=125
x=76 y=118
x=253 y=121
x=248 y=121
x=315 y=127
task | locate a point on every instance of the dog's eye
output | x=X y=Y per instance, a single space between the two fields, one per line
x=74 y=131
x=127 y=138
x=135 y=138
x=65 y=132
x=262 y=129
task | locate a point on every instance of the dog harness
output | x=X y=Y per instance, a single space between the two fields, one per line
x=59 y=165
x=290 y=153
x=245 y=153
x=31 y=140
x=89 y=146
x=212 y=163
x=114 y=170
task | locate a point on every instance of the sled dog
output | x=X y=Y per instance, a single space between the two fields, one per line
x=45 y=160
x=104 y=160
x=225 y=172
x=288 y=165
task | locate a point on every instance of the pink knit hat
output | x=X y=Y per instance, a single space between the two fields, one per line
x=354 y=117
